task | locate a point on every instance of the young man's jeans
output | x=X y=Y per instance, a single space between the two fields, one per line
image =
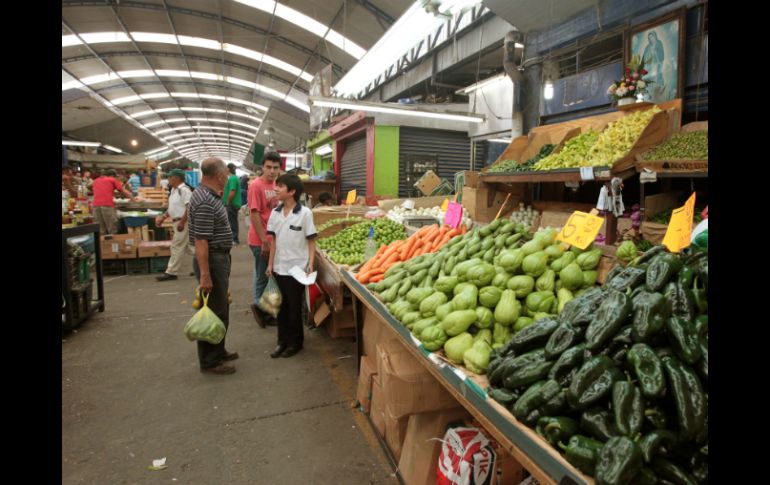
x=260 y=278
x=232 y=217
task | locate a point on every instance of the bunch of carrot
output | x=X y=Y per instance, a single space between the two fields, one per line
x=428 y=239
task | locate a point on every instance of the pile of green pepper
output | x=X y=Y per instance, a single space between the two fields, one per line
x=619 y=381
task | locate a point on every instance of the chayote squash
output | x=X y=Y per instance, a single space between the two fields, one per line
x=540 y=301
x=415 y=296
x=563 y=296
x=546 y=236
x=429 y=305
x=461 y=287
x=547 y=281
x=466 y=299
x=462 y=268
x=555 y=251
x=522 y=323
x=400 y=308
x=589 y=278
x=455 y=347
x=433 y=338
x=476 y=359
x=511 y=259
x=522 y=285
x=571 y=277
x=626 y=252
x=508 y=309
x=484 y=334
x=501 y=334
x=458 y=322
x=589 y=260
x=410 y=318
x=421 y=325
x=489 y=296
x=446 y=284
x=577 y=251
x=532 y=247
x=445 y=309
x=565 y=259
x=535 y=264
x=481 y=274
x=484 y=317
x=501 y=279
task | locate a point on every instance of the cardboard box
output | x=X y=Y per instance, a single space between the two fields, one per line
x=654 y=232
x=484 y=202
x=508 y=469
x=428 y=182
x=419 y=202
x=365 y=375
x=377 y=411
x=342 y=323
x=471 y=179
x=408 y=387
x=154 y=249
x=374 y=332
x=325 y=214
x=420 y=451
x=119 y=246
x=395 y=433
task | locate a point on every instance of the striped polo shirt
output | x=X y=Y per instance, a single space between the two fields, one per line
x=208 y=219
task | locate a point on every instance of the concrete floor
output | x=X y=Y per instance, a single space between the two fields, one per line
x=132 y=393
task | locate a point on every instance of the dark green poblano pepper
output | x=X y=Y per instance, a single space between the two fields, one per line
x=650 y=313
x=581 y=309
x=593 y=382
x=582 y=452
x=535 y=396
x=557 y=428
x=628 y=278
x=682 y=300
x=656 y=442
x=671 y=472
x=684 y=339
x=567 y=365
x=505 y=397
x=599 y=423
x=689 y=398
x=628 y=407
x=662 y=269
x=648 y=370
x=609 y=318
x=619 y=461
x=565 y=336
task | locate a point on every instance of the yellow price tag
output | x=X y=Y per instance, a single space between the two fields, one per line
x=445 y=204
x=580 y=230
x=679 y=232
x=351 y=197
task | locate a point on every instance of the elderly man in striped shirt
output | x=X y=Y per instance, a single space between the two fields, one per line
x=212 y=238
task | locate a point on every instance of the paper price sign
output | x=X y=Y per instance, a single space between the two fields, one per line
x=445 y=204
x=580 y=230
x=351 y=197
x=454 y=213
x=679 y=229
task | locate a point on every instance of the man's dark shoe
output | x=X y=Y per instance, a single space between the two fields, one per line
x=257 y=316
x=271 y=321
x=192 y=274
x=278 y=351
x=221 y=369
x=166 y=277
x=230 y=356
x=290 y=351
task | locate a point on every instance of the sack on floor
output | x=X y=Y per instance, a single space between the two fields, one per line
x=466 y=458
x=205 y=325
x=271 y=299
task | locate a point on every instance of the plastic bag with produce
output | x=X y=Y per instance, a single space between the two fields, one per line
x=271 y=299
x=205 y=325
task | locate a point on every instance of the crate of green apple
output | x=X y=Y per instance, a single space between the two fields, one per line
x=618 y=381
x=347 y=246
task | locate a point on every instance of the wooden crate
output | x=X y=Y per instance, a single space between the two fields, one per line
x=340 y=226
x=329 y=280
x=674 y=166
x=153 y=195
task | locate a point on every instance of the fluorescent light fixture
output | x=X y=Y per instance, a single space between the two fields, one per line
x=304 y=22
x=451 y=7
x=193 y=134
x=401 y=110
x=500 y=140
x=112 y=148
x=73 y=143
x=174 y=94
x=483 y=83
x=517 y=45
x=208 y=120
x=206 y=127
x=156 y=150
x=324 y=150
x=184 y=40
x=548 y=89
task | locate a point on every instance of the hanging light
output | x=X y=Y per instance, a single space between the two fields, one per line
x=548 y=89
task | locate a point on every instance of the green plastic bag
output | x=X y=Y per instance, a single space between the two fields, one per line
x=205 y=325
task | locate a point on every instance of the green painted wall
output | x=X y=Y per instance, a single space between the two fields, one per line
x=321 y=164
x=386 y=141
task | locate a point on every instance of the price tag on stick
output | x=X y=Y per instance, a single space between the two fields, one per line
x=445 y=204
x=679 y=232
x=351 y=197
x=454 y=213
x=580 y=230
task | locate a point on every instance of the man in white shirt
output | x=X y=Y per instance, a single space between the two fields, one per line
x=178 y=201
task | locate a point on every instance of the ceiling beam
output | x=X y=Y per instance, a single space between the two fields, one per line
x=378 y=13
x=198 y=13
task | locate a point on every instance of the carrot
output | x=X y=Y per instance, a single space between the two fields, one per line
x=449 y=235
x=423 y=230
x=393 y=248
x=430 y=235
x=415 y=248
x=408 y=246
x=369 y=264
x=464 y=229
x=377 y=279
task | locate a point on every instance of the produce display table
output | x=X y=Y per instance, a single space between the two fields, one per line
x=85 y=302
x=531 y=451
x=329 y=279
x=601 y=174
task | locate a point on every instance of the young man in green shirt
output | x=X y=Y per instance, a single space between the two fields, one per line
x=231 y=197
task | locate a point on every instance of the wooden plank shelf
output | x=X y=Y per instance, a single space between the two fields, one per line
x=601 y=174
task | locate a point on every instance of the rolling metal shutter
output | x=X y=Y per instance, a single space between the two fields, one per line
x=353 y=168
x=453 y=149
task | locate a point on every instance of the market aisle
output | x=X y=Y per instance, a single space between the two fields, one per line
x=131 y=393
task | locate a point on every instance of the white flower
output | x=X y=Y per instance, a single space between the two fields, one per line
x=621 y=92
x=611 y=89
x=640 y=84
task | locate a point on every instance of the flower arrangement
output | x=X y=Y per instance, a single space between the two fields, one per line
x=633 y=84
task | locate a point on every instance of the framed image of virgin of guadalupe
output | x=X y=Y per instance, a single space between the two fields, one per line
x=660 y=43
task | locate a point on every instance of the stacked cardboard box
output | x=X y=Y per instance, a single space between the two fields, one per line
x=119 y=246
x=154 y=249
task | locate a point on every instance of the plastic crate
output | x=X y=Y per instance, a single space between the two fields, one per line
x=135 y=221
x=113 y=267
x=159 y=264
x=137 y=266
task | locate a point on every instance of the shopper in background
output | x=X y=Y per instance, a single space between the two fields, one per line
x=325 y=199
x=231 y=197
x=178 y=201
x=104 y=201
x=136 y=181
x=210 y=234
x=292 y=228
x=244 y=189
x=66 y=181
x=262 y=200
